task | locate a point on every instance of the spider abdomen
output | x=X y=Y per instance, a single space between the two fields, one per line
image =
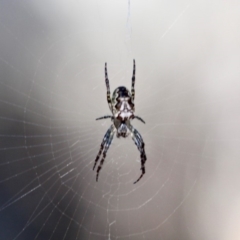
x=123 y=106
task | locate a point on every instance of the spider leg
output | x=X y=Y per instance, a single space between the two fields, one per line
x=133 y=80
x=137 y=138
x=140 y=119
x=108 y=89
x=105 y=139
x=108 y=143
x=104 y=117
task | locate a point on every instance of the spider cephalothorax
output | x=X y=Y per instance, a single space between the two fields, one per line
x=122 y=108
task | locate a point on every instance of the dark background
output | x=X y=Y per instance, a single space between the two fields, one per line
x=52 y=88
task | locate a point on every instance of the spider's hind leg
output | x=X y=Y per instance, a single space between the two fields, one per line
x=137 y=138
x=108 y=143
x=105 y=139
x=104 y=147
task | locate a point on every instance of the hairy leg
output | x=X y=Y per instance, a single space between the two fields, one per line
x=108 y=89
x=139 y=118
x=104 y=117
x=108 y=143
x=105 y=139
x=133 y=80
x=138 y=140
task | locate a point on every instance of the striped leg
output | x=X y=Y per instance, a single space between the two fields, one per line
x=105 y=139
x=137 y=138
x=104 y=117
x=139 y=118
x=108 y=143
x=133 y=80
x=108 y=89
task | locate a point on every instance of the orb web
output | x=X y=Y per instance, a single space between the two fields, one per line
x=52 y=90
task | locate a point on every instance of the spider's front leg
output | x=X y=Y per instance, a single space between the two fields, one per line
x=133 y=80
x=108 y=89
x=137 y=138
x=104 y=147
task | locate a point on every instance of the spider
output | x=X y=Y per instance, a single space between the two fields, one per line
x=122 y=108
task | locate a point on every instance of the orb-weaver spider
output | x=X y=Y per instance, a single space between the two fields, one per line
x=122 y=108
